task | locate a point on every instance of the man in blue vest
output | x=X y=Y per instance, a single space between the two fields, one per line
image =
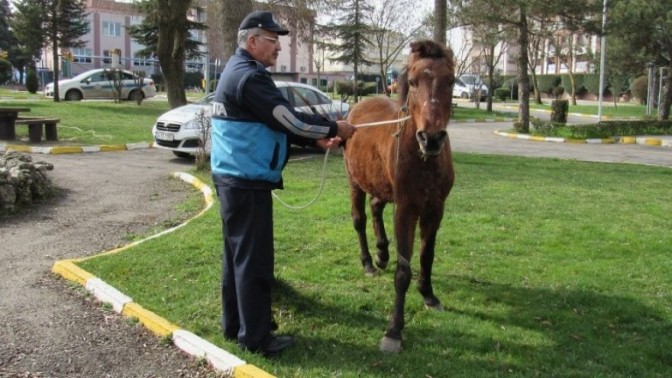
x=252 y=128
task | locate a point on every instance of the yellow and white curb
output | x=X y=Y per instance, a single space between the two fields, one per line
x=186 y=341
x=59 y=150
x=648 y=141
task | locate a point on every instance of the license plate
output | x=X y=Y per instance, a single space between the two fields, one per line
x=164 y=135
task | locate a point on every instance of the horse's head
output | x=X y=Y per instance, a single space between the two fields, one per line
x=426 y=88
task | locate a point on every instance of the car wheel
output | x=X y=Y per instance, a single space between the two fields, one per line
x=182 y=155
x=73 y=95
x=135 y=95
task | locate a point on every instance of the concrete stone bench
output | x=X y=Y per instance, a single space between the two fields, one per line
x=36 y=125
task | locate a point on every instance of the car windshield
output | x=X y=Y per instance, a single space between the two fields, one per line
x=206 y=100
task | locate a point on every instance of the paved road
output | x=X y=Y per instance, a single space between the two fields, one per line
x=481 y=138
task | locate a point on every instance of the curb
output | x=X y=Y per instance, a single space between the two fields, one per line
x=193 y=345
x=59 y=150
x=647 y=141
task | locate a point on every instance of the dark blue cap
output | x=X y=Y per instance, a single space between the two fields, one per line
x=263 y=20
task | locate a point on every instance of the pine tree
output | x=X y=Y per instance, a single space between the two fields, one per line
x=6 y=35
x=64 y=22
x=26 y=24
x=352 y=32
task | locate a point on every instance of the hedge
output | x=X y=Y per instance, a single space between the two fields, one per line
x=605 y=129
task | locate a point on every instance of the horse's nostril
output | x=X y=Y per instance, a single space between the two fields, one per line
x=421 y=136
x=441 y=135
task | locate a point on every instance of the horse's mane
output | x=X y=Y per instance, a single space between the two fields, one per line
x=420 y=50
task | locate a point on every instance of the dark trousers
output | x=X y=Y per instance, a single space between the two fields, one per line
x=247 y=264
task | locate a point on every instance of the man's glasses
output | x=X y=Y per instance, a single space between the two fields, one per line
x=274 y=40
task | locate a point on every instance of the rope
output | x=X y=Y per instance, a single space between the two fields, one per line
x=319 y=191
x=373 y=124
x=326 y=157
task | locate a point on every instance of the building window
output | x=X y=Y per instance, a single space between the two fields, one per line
x=107 y=56
x=81 y=55
x=143 y=62
x=111 y=29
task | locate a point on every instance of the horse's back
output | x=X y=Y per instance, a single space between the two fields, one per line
x=368 y=151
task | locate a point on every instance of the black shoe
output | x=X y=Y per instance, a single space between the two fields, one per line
x=274 y=347
x=277 y=345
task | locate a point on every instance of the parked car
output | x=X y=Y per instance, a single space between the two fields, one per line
x=98 y=84
x=179 y=129
x=466 y=87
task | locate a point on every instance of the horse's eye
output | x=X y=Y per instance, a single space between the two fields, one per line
x=412 y=83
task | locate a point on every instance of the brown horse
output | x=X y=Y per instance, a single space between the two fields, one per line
x=406 y=162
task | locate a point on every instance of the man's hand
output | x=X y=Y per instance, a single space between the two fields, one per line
x=345 y=130
x=329 y=143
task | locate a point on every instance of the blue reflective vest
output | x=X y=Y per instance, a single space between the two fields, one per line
x=247 y=150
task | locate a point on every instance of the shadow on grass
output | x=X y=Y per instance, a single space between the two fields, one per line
x=584 y=333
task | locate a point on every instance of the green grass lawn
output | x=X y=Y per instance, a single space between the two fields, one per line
x=94 y=122
x=621 y=110
x=104 y=122
x=461 y=113
x=546 y=268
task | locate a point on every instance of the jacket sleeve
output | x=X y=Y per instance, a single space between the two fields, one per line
x=263 y=98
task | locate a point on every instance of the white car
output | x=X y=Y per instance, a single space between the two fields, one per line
x=98 y=84
x=179 y=129
x=465 y=87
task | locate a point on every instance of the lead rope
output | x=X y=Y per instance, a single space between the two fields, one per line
x=398 y=121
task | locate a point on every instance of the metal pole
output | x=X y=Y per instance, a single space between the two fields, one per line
x=603 y=51
x=207 y=71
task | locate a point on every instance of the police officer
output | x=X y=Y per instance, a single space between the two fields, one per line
x=252 y=128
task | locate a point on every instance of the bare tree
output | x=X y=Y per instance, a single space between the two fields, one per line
x=202 y=154
x=115 y=77
x=392 y=30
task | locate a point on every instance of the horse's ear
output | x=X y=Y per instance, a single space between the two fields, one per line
x=403 y=85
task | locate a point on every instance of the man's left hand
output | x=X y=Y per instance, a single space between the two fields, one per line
x=329 y=143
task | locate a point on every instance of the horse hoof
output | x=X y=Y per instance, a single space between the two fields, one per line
x=370 y=272
x=434 y=306
x=381 y=264
x=390 y=345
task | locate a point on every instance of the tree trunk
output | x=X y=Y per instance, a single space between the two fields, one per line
x=491 y=80
x=440 y=21
x=523 y=77
x=664 y=108
x=232 y=14
x=535 y=87
x=170 y=48
x=572 y=81
x=54 y=56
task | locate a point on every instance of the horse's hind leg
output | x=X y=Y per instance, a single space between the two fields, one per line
x=358 y=201
x=382 y=243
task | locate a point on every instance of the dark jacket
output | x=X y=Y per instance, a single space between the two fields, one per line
x=252 y=100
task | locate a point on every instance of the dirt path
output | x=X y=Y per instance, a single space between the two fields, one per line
x=49 y=328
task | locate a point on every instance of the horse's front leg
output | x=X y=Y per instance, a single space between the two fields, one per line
x=358 y=201
x=382 y=243
x=404 y=229
x=429 y=226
